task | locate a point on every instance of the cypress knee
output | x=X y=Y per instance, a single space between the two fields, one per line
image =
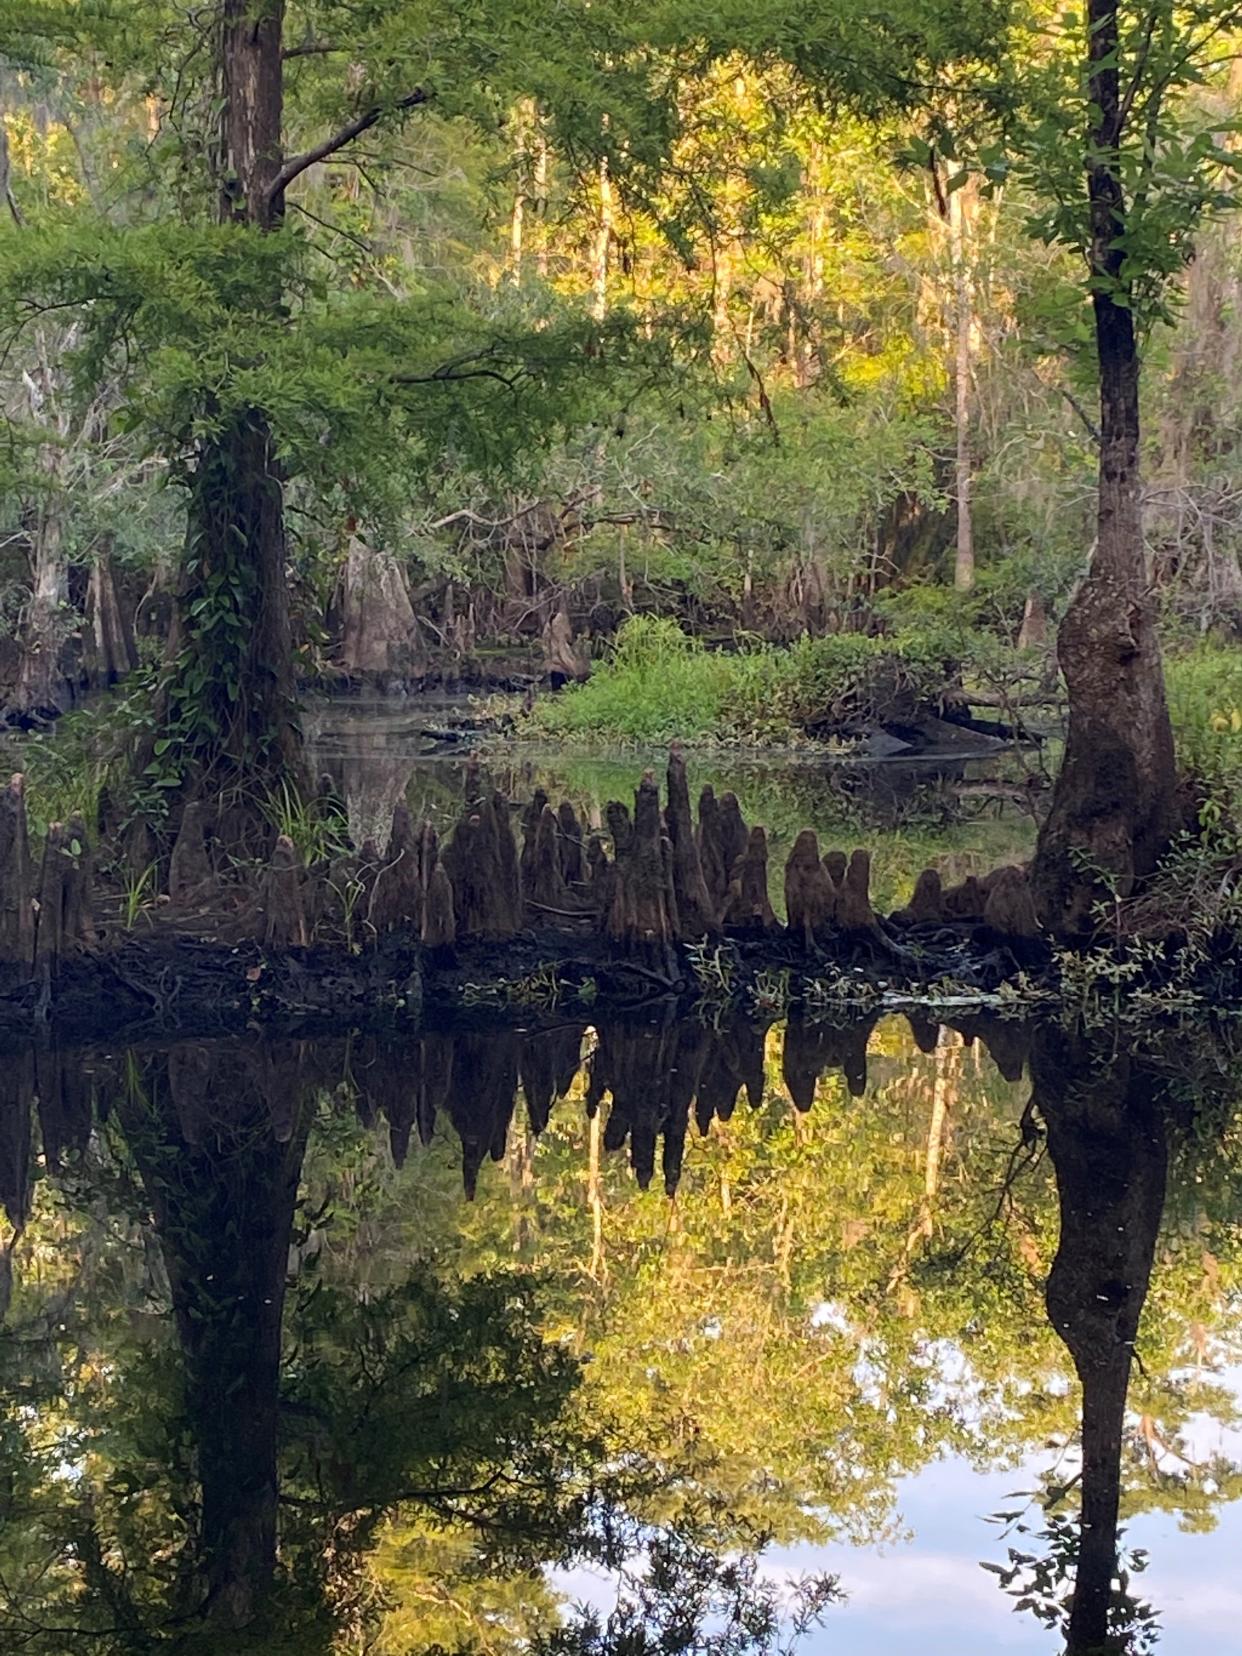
x=530 y=828
x=600 y=873
x=439 y=914
x=638 y=916
x=284 y=923
x=189 y=871
x=50 y=920
x=964 y=902
x=696 y=913
x=854 y=911
x=502 y=866
x=749 y=907
x=710 y=840
x=1010 y=906
x=79 y=887
x=809 y=898
x=926 y=905
x=16 y=875
x=397 y=900
x=573 y=861
x=545 y=887
x=734 y=834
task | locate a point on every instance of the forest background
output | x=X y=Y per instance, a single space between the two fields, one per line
x=774 y=329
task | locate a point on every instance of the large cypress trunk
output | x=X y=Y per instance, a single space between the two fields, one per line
x=1114 y=809
x=235 y=648
x=220 y=1165
x=233 y=682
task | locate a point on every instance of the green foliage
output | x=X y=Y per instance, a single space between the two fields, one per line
x=1205 y=705
x=687 y=1601
x=660 y=683
x=68 y=769
x=1168 y=149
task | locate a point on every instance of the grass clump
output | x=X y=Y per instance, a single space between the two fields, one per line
x=660 y=683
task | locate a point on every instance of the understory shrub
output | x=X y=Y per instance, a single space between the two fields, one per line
x=660 y=683
x=1205 y=705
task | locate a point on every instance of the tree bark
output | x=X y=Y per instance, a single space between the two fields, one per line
x=380 y=633
x=603 y=241
x=110 y=653
x=1114 y=808
x=233 y=683
x=42 y=689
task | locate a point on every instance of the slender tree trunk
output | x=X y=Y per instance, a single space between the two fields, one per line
x=1114 y=808
x=42 y=689
x=516 y=223
x=603 y=242
x=964 y=322
x=517 y=220
x=539 y=182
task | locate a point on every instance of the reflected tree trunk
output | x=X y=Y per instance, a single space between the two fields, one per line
x=220 y=1167
x=1107 y=1140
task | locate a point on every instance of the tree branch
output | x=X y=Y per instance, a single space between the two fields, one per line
x=311 y=48
x=465 y=367
x=297 y=164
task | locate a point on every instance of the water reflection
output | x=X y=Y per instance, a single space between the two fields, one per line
x=270 y=1383
x=971 y=813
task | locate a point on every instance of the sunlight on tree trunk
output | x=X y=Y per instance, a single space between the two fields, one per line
x=962 y=206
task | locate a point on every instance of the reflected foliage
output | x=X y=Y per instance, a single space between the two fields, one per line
x=269 y=1380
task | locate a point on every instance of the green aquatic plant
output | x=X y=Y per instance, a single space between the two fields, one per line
x=317 y=833
x=139 y=891
x=714 y=970
x=542 y=989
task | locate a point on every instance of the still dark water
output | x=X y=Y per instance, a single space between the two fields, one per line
x=359 y=1345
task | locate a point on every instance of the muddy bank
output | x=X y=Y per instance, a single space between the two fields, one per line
x=179 y=986
x=668 y=905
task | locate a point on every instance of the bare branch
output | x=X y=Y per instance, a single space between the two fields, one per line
x=311 y=48
x=297 y=164
x=1093 y=431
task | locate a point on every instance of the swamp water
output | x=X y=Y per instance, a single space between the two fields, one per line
x=400 y=1344
x=967 y=813
x=389 y=1344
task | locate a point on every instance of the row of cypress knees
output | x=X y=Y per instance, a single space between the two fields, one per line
x=658 y=878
